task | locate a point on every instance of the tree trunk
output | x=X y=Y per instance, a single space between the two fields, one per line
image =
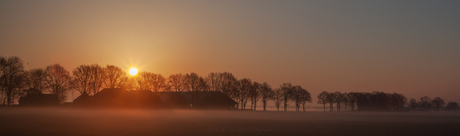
x=324 y=107
x=303 y=106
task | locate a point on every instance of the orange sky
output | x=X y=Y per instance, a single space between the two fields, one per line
x=410 y=48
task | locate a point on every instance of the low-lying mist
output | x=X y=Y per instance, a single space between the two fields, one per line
x=72 y=121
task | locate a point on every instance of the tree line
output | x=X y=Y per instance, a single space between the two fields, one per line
x=15 y=82
x=90 y=79
x=381 y=101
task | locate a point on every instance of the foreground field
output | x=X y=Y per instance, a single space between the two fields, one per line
x=78 y=122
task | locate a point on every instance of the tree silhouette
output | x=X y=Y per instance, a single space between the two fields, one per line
x=413 y=104
x=352 y=99
x=322 y=99
x=254 y=94
x=425 y=103
x=35 y=79
x=243 y=92
x=151 y=81
x=88 y=79
x=286 y=88
x=82 y=79
x=114 y=77
x=213 y=81
x=339 y=99
x=177 y=82
x=300 y=96
x=331 y=98
x=278 y=97
x=58 y=81
x=266 y=93
x=12 y=77
x=452 y=106
x=195 y=84
x=437 y=103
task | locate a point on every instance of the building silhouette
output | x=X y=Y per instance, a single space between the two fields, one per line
x=122 y=98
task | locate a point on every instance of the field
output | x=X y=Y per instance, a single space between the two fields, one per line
x=87 y=122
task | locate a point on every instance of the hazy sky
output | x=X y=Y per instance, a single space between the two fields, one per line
x=410 y=47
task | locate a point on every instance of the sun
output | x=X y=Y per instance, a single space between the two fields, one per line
x=133 y=71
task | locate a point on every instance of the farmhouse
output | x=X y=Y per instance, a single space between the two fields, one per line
x=117 y=97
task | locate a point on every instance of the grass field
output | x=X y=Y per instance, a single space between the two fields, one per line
x=86 y=122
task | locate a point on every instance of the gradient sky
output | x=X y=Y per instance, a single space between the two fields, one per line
x=409 y=47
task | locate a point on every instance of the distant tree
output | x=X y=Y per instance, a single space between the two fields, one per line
x=229 y=85
x=396 y=101
x=452 y=106
x=97 y=76
x=286 y=88
x=331 y=99
x=322 y=99
x=425 y=103
x=304 y=98
x=339 y=99
x=35 y=79
x=352 y=98
x=195 y=84
x=244 y=91
x=437 y=103
x=266 y=93
x=82 y=79
x=12 y=78
x=344 y=97
x=114 y=77
x=413 y=104
x=213 y=81
x=58 y=80
x=88 y=79
x=151 y=81
x=254 y=94
x=278 y=97
x=177 y=82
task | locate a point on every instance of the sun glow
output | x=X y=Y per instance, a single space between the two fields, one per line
x=133 y=71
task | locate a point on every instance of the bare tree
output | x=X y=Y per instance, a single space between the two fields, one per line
x=254 y=94
x=352 y=99
x=438 y=103
x=339 y=99
x=300 y=96
x=413 y=104
x=58 y=80
x=331 y=98
x=305 y=97
x=266 y=93
x=452 y=106
x=12 y=78
x=214 y=81
x=425 y=103
x=286 y=88
x=195 y=84
x=278 y=97
x=82 y=79
x=244 y=91
x=35 y=79
x=229 y=85
x=177 y=82
x=88 y=79
x=322 y=99
x=151 y=81
x=114 y=77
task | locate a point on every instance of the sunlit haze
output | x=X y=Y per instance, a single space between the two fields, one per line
x=409 y=47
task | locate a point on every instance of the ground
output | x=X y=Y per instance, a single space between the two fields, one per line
x=110 y=122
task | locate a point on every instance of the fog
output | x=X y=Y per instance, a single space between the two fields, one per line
x=67 y=121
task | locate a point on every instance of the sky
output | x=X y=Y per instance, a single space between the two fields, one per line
x=409 y=47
